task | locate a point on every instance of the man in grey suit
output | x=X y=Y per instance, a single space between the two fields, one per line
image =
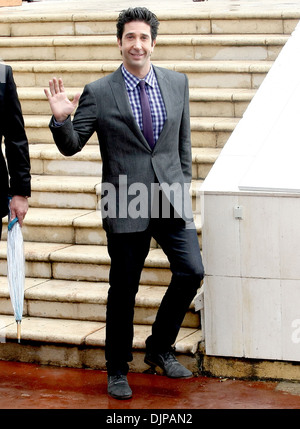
x=145 y=181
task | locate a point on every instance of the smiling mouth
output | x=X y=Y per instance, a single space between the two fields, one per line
x=137 y=56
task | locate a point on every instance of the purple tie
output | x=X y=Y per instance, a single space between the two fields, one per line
x=146 y=113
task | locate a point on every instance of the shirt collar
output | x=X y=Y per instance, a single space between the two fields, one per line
x=132 y=81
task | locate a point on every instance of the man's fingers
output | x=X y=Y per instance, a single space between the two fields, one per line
x=56 y=86
x=51 y=87
x=47 y=93
x=61 y=85
x=61 y=106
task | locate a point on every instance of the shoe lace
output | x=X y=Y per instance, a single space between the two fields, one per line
x=169 y=355
x=118 y=378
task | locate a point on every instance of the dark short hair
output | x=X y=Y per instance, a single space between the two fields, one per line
x=137 y=14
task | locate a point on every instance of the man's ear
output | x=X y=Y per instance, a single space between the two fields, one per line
x=120 y=45
x=153 y=44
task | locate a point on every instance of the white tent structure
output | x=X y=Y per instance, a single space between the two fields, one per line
x=250 y=208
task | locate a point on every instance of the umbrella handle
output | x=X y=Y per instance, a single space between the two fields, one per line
x=11 y=224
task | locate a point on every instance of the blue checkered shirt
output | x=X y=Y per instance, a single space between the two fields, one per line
x=158 y=110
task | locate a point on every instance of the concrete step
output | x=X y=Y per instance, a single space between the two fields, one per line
x=73 y=226
x=246 y=74
x=47 y=160
x=190 y=21
x=218 y=102
x=76 y=192
x=75 y=300
x=203 y=160
x=188 y=48
x=63 y=261
x=69 y=226
x=205 y=132
x=64 y=192
x=77 y=343
x=212 y=132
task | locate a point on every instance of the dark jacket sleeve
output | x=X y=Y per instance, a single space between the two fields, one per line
x=15 y=140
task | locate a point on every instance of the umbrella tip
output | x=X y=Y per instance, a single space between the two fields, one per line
x=19 y=331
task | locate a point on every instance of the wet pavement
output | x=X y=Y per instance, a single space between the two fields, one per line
x=26 y=386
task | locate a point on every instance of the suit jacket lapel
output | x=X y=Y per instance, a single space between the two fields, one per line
x=165 y=90
x=122 y=100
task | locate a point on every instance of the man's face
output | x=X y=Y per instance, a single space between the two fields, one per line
x=136 y=47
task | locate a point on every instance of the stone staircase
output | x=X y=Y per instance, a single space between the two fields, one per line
x=226 y=57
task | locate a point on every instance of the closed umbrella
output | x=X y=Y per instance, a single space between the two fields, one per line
x=16 y=270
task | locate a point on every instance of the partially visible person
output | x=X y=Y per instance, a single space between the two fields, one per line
x=15 y=178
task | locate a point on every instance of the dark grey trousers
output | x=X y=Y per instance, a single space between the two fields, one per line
x=128 y=253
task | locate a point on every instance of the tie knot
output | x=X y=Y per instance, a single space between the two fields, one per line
x=142 y=84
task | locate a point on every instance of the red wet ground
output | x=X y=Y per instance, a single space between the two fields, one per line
x=29 y=386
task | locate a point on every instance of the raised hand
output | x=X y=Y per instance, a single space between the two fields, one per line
x=59 y=102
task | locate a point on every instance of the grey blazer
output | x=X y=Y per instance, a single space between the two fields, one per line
x=130 y=168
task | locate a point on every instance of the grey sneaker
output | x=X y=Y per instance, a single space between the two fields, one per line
x=168 y=363
x=118 y=387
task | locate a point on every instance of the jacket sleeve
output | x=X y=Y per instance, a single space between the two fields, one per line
x=15 y=140
x=185 y=146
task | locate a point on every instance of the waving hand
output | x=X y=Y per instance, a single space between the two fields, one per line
x=59 y=102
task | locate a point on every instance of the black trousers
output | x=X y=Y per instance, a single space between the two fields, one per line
x=128 y=253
